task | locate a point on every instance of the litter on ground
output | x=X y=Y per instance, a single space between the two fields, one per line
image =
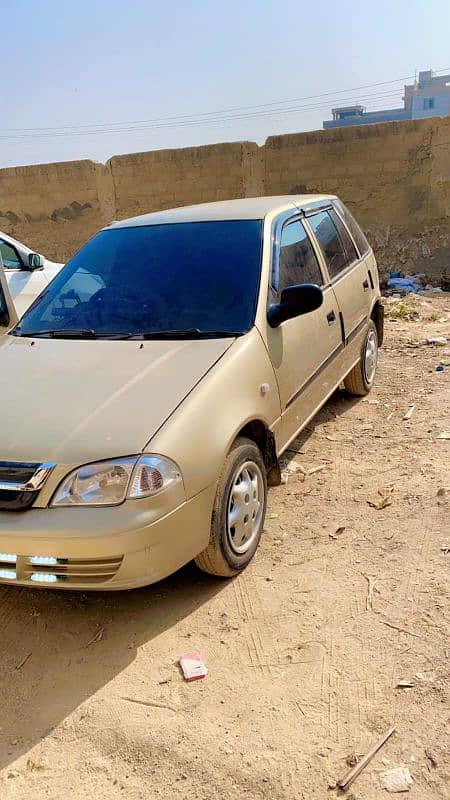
x=192 y=666
x=396 y=780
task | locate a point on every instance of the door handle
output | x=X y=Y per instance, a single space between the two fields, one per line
x=331 y=317
x=366 y=285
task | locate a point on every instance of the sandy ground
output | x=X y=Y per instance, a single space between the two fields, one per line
x=303 y=660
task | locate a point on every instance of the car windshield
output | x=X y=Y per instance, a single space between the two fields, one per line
x=191 y=279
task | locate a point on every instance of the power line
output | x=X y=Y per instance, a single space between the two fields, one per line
x=206 y=114
x=156 y=125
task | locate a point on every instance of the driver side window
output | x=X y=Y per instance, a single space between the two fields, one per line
x=10 y=258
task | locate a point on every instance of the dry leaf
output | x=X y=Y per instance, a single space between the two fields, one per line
x=382 y=499
x=97 y=636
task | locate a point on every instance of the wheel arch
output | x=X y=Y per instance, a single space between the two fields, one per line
x=377 y=315
x=258 y=432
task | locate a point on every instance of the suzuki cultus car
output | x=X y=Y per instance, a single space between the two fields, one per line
x=151 y=388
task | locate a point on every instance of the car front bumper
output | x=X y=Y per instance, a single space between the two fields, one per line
x=113 y=548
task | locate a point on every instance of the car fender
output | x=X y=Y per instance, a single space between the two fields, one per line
x=239 y=389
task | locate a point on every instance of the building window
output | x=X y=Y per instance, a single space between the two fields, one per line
x=428 y=102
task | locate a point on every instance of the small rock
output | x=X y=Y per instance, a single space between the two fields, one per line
x=332 y=784
x=323 y=752
x=396 y=780
x=431 y=755
x=351 y=760
x=13 y=773
x=442 y=495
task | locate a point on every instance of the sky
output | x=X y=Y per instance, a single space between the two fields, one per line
x=170 y=72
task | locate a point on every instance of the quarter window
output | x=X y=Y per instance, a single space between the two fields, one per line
x=358 y=236
x=9 y=256
x=297 y=261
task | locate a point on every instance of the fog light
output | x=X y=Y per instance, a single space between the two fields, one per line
x=9 y=574
x=45 y=561
x=10 y=558
x=44 y=577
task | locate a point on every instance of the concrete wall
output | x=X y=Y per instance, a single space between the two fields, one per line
x=394 y=176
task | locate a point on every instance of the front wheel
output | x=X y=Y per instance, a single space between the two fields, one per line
x=361 y=378
x=238 y=513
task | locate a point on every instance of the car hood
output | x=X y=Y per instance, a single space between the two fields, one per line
x=52 y=268
x=72 y=402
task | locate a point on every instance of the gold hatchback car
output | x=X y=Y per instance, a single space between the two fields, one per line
x=149 y=391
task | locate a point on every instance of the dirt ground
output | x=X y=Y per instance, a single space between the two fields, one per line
x=304 y=650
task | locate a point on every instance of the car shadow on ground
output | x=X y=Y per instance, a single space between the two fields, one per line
x=337 y=405
x=49 y=668
x=49 y=663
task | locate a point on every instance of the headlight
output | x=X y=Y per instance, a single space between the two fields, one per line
x=108 y=483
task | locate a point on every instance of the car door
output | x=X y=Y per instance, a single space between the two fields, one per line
x=24 y=284
x=303 y=350
x=8 y=316
x=351 y=278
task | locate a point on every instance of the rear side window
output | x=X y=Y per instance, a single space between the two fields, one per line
x=298 y=262
x=361 y=241
x=345 y=237
x=330 y=243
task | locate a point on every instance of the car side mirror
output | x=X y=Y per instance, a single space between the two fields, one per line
x=295 y=301
x=35 y=261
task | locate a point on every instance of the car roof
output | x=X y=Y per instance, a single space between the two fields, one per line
x=244 y=208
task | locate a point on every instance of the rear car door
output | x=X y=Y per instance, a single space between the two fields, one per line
x=8 y=316
x=303 y=350
x=351 y=278
x=24 y=284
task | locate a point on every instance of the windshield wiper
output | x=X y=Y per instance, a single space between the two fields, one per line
x=69 y=333
x=89 y=333
x=83 y=333
x=189 y=333
x=60 y=333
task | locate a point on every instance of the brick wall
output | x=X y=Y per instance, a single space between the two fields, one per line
x=394 y=176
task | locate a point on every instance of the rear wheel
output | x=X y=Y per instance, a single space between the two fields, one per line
x=361 y=378
x=238 y=513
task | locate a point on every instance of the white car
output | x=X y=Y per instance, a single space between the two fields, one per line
x=27 y=273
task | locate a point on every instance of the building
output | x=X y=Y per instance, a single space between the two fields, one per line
x=427 y=97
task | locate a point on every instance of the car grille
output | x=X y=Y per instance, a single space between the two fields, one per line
x=47 y=570
x=16 y=501
x=20 y=484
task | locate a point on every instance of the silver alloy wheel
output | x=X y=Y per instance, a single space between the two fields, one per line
x=245 y=507
x=371 y=357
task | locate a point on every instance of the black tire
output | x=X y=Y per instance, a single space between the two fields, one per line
x=358 y=382
x=220 y=556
